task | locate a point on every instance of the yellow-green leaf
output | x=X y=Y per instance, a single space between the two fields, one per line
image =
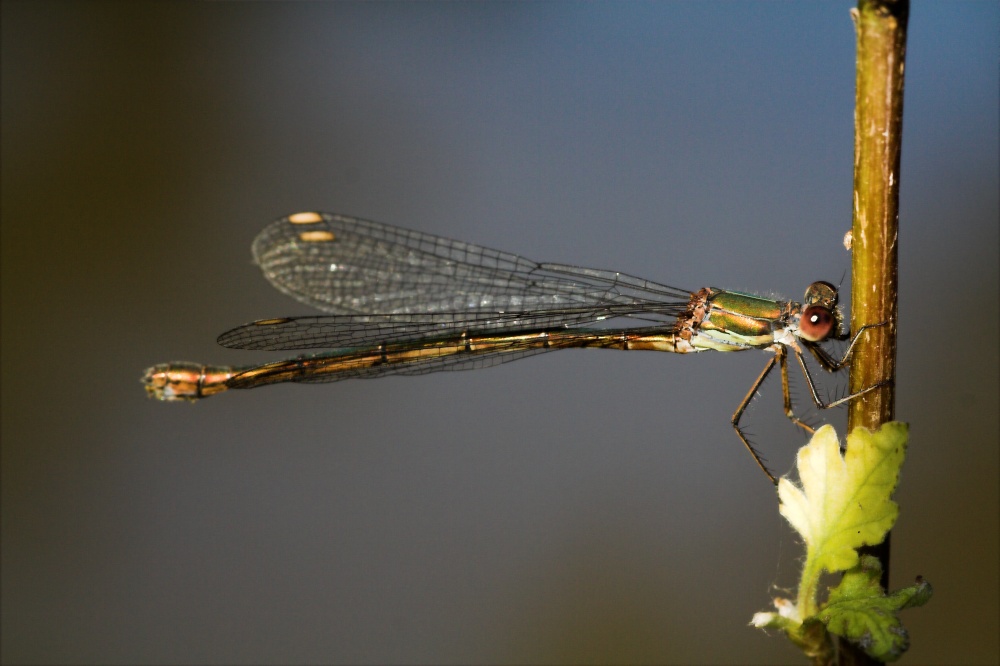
x=844 y=500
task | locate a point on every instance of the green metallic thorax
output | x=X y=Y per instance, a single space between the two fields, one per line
x=737 y=321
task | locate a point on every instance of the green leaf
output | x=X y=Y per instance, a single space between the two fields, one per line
x=861 y=612
x=844 y=501
x=842 y=504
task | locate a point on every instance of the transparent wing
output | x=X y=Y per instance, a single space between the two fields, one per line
x=345 y=265
x=351 y=331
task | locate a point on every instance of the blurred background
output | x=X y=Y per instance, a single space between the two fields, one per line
x=584 y=506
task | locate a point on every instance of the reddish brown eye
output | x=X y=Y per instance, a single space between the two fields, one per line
x=816 y=323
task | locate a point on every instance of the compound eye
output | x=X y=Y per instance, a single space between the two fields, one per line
x=816 y=323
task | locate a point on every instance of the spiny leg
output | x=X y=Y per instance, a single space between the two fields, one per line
x=812 y=387
x=828 y=362
x=735 y=421
x=782 y=356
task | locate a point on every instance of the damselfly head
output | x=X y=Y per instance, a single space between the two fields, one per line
x=820 y=316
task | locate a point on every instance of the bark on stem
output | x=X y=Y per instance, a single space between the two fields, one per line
x=878 y=121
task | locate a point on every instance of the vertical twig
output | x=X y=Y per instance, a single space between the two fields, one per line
x=878 y=121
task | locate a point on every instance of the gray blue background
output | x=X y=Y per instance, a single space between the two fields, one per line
x=581 y=506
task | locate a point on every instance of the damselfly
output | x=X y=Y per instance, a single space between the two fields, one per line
x=406 y=303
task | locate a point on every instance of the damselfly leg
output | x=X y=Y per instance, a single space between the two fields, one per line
x=826 y=361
